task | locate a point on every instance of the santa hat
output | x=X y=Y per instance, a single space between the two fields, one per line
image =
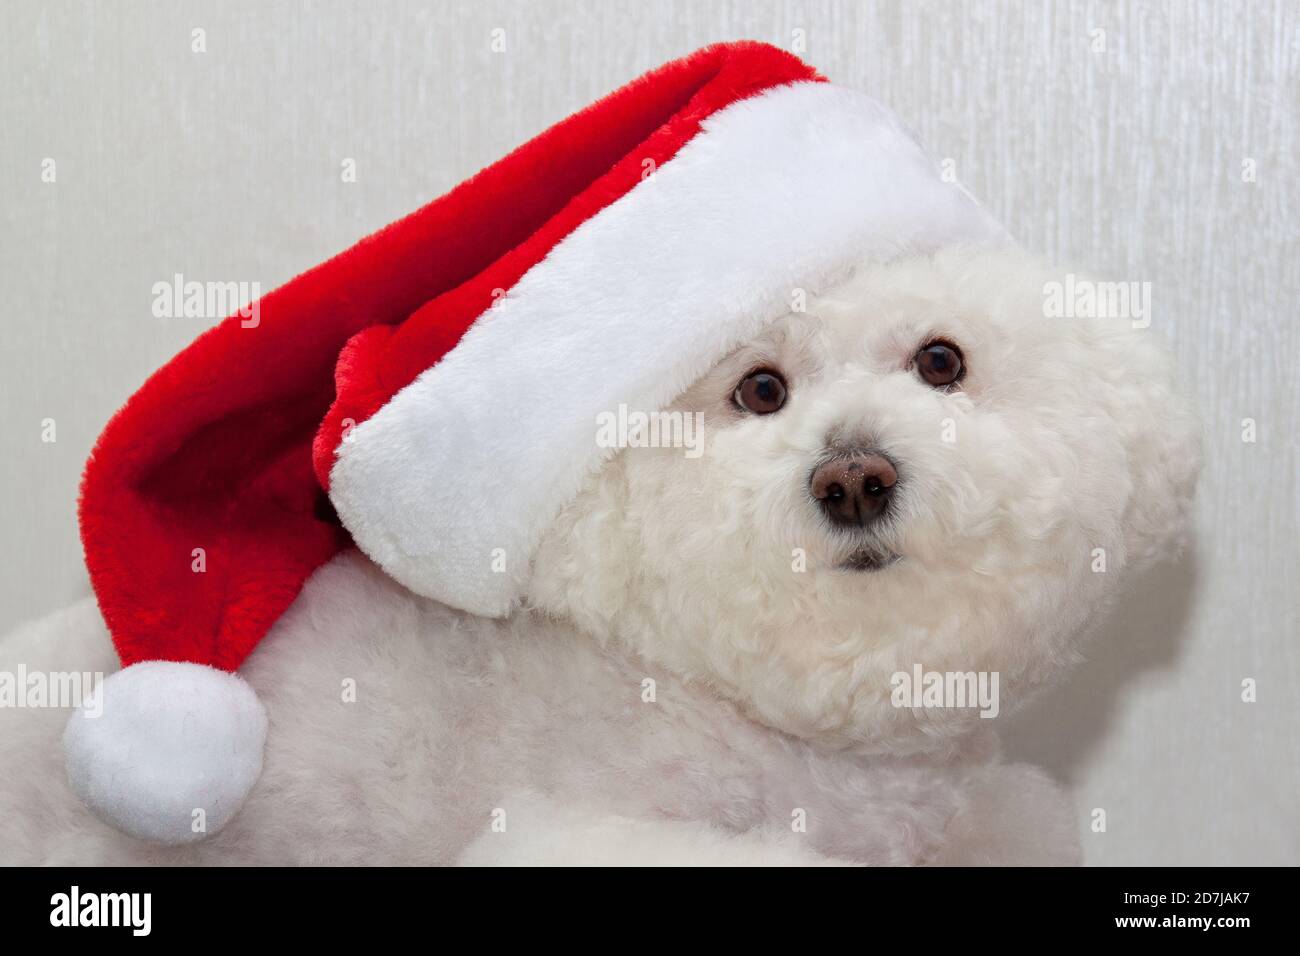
x=439 y=384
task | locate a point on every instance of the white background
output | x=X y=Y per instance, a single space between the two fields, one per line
x=1119 y=152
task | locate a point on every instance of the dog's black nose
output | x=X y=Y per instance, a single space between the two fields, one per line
x=854 y=489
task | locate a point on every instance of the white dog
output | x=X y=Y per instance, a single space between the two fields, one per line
x=919 y=473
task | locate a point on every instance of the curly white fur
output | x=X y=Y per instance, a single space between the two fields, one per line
x=1066 y=436
x=678 y=690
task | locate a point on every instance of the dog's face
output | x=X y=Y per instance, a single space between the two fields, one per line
x=918 y=469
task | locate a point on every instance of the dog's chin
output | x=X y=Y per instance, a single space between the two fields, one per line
x=868 y=560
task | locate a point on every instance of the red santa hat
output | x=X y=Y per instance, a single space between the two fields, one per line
x=437 y=386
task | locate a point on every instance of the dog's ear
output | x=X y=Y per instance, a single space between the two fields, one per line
x=1140 y=392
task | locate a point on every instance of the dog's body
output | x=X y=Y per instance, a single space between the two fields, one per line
x=460 y=725
x=704 y=668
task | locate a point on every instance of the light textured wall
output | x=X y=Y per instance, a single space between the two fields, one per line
x=1122 y=153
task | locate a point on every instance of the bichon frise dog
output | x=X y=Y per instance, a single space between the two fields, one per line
x=919 y=479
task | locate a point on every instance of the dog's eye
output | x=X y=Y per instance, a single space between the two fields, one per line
x=761 y=392
x=940 y=363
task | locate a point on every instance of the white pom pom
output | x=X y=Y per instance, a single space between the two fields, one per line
x=166 y=751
